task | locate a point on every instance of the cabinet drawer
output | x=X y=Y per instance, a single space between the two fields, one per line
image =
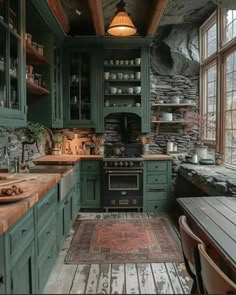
x=156 y=193
x=46 y=264
x=90 y=166
x=157 y=166
x=157 y=179
x=47 y=234
x=46 y=206
x=156 y=206
x=22 y=233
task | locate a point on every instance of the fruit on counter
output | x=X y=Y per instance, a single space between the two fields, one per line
x=11 y=191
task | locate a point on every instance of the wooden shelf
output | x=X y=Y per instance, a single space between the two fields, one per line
x=35 y=89
x=173 y=105
x=122 y=66
x=123 y=94
x=122 y=80
x=170 y=122
x=33 y=57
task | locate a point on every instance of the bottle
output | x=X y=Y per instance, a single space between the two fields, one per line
x=5 y=161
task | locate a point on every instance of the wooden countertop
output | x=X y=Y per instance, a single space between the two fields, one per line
x=156 y=157
x=64 y=159
x=37 y=185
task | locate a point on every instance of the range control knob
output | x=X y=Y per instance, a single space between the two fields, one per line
x=126 y=164
x=121 y=164
x=131 y=164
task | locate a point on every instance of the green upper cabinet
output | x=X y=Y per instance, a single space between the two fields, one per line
x=12 y=63
x=81 y=89
x=44 y=77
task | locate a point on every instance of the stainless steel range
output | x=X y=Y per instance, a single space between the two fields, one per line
x=123 y=178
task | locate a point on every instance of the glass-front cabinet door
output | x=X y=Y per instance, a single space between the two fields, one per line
x=78 y=108
x=57 y=97
x=12 y=63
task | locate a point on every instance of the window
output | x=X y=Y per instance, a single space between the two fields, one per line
x=209 y=105
x=218 y=83
x=229 y=24
x=230 y=108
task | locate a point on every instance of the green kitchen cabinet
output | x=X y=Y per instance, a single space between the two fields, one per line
x=82 y=89
x=23 y=279
x=91 y=184
x=12 y=63
x=64 y=218
x=76 y=197
x=157 y=186
x=3 y=278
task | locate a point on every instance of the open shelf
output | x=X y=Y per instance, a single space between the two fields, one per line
x=122 y=66
x=35 y=89
x=123 y=80
x=34 y=57
x=123 y=94
x=170 y=122
x=173 y=105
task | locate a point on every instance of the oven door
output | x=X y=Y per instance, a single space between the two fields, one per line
x=120 y=180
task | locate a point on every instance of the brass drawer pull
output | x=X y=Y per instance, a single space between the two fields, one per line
x=3 y=279
x=23 y=231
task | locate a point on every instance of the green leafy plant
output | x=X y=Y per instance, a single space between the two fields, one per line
x=34 y=132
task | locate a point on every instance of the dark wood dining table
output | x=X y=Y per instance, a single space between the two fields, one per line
x=213 y=219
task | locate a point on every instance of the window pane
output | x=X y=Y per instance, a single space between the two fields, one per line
x=3 y=94
x=230 y=107
x=209 y=114
x=230 y=25
x=211 y=40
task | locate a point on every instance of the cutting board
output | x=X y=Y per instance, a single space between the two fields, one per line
x=10 y=181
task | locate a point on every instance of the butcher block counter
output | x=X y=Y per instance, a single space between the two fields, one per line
x=36 y=185
x=64 y=159
x=156 y=157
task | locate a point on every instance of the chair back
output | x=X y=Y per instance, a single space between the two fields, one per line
x=214 y=280
x=189 y=242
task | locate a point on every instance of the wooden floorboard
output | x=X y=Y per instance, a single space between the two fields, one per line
x=130 y=278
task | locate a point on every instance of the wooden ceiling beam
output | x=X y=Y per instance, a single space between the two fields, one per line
x=95 y=7
x=156 y=14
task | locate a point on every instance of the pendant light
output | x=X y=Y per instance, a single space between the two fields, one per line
x=121 y=24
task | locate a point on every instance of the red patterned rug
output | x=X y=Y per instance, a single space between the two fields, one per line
x=123 y=241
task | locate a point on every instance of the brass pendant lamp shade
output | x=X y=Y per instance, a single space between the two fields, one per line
x=121 y=24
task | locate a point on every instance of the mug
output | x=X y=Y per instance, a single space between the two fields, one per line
x=130 y=90
x=120 y=76
x=137 y=89
x=117 y=62
x=131 y=62
x=111 y=62
x=175 y=100
x=113 y=90
x=126 y=76
x=131 y=76
x=126 y=62
x=121 y=62
x=113 y=76
x=119 y=91
x=106 y=75
x=138 y=75
x=137 y=61
x=167 y=117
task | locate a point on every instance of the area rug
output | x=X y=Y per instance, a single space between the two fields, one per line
x=123 y=241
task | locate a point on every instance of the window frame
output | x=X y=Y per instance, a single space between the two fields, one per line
x=224 y=49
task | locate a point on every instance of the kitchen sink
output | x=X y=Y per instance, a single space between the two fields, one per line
x=67 y=172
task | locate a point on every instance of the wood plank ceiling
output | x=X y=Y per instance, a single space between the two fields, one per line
x=92 y=17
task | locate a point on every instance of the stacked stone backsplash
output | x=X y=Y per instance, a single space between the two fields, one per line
x=12 y=138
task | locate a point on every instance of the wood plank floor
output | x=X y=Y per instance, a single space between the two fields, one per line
x=127 y=278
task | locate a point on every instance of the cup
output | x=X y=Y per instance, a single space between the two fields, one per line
x=130 y=90
x=126 y=76
x=117 y=62
x=167 y=117
x=113 y=90
x=131 y=76
x=126 y=62
x=113 y=76
x=111 y=62
x=131 y=62
x=121 y=62
x=137 y=89
x=137 y=61
x=138 y=75
x=120 y=76
x=106 y=75
x=119 y=91
x=106 y=62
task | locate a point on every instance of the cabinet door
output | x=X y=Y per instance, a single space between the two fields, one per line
x=2 y=268
x=76 y=201
x=90 y=191
x=12 y=63
x=68 y=212
x=77 y=85
x=60 y=225
x=23 y=273
x=57 y=121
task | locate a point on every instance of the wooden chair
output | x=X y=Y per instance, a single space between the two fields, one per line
x=190 y=244
x=213 y=279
